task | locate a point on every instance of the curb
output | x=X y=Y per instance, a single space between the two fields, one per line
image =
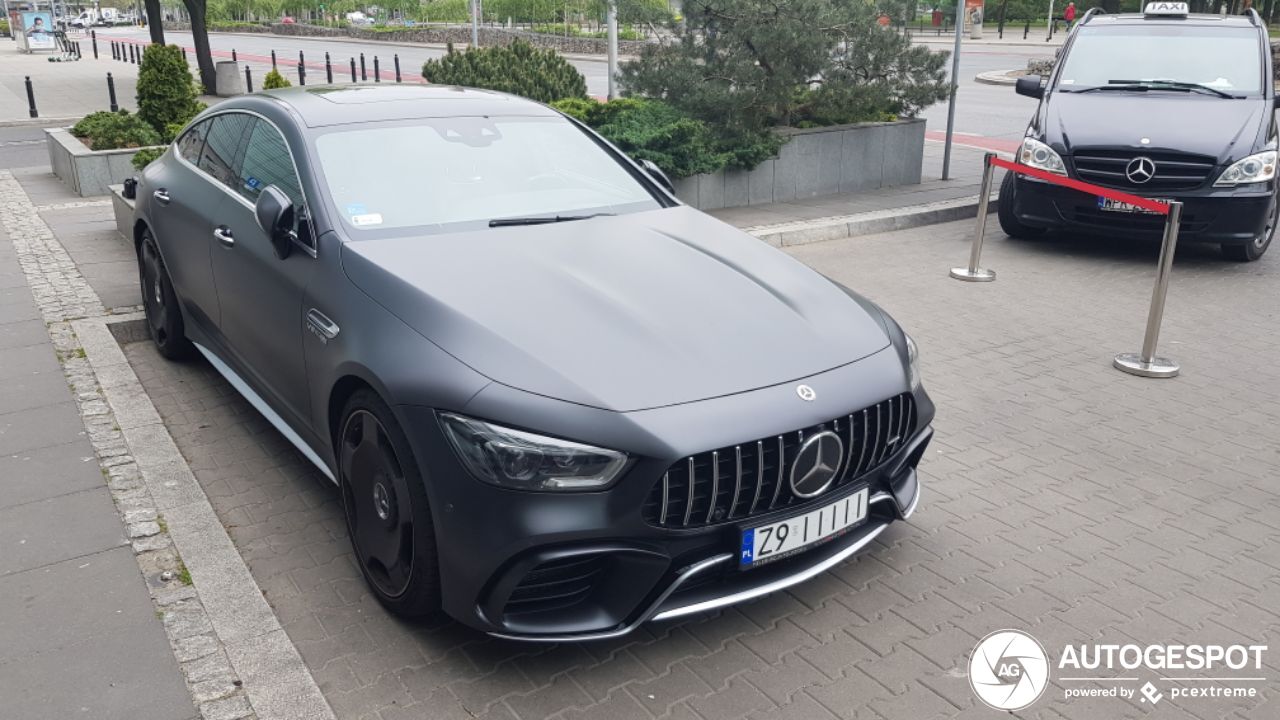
x=869 y=223
x=43 y=122
x=996 y=77
x=271 y=672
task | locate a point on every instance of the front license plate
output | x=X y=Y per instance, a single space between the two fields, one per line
x=1110 y=205
x=775 y=541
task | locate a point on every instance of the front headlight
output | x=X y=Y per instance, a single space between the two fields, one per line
x=913 y=362
x=1258 y=167
x=1038 y=155
x=524 y=461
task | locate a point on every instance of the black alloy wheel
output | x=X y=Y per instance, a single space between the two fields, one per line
x=386 y=506
x=160 y=303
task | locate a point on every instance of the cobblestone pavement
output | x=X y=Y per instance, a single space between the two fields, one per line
x=1062 y=498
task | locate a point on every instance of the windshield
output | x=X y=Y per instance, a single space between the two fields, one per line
x=440 y=172
x=1223 y=58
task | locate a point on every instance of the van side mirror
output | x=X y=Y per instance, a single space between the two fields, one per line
x=656 y=173
x=1029 y=85
x=274 y=212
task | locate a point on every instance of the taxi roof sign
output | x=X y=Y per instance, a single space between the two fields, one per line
x=1166 y=8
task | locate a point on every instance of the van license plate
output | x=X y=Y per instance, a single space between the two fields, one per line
x=1110 y=205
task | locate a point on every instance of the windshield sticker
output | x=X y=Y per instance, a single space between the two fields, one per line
x=252 y=183
x=366 y=219
x=356 y=209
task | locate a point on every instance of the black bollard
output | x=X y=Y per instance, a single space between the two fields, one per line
x=273 y=59
x=111 y=93
x=132 y=59
x=248 y=79
x=377 y=74
x=233 y=55
x=94 y=35
x=184 y=55
x=328 y=69
x=363 y=75
x=397 y=67
x=31 y=98
x=353 y=69
x=302 y=74
x=1026 y=29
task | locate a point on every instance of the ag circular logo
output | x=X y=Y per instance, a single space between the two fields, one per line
x=1008 y=670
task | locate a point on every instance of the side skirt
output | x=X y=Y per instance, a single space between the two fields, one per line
x=261 y=406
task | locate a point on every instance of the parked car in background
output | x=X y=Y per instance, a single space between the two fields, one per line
x=556 y=402
x=1168 y=105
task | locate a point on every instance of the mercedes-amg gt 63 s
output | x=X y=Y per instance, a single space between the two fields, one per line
x=556 y=402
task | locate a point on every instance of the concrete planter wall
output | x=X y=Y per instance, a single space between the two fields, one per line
x=87 y=172
x=122 y=208
x=817 y=162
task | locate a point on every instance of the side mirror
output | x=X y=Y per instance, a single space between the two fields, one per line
x=656 y=173
x=274 y=213
x=1029 y=85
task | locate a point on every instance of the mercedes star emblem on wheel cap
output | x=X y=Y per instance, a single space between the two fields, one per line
x=806 y=393
x=1140 y=170
x=816 y=464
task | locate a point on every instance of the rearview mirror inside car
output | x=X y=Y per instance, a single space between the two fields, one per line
x=656 y=173
x=274 y=213
x=1030 y=86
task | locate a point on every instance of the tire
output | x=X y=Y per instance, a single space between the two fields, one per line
x=1009 y=222
x=385 y=500
x=1251 y=251
x=160 y=303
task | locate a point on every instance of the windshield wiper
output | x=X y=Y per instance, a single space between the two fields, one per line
x=542 y=220
x=1176 y=84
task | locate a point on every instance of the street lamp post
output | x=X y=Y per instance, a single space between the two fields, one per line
x=611 y=19
x=955 y=80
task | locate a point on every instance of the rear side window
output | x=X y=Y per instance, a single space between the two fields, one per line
x=225 y=141
x=192 y=142
x=267 y=162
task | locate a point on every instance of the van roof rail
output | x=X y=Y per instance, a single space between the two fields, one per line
x=1090 y=13
x=1254 y=18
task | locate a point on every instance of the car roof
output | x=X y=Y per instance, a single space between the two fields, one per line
x=1196 y=19
x=323 y=105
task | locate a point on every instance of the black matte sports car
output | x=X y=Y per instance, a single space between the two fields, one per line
x=557 y=402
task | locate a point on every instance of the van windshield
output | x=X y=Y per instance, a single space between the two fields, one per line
x=1227 y=59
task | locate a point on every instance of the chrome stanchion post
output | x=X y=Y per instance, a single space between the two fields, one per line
x=973 y=273
x=1147 y=364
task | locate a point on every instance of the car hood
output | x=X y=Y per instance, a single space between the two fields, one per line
x=1171 y=121
x=622 y=313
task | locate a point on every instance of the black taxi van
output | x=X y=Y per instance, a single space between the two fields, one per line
x=1165 y=104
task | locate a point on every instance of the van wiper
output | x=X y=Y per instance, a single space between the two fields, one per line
x=1114 y=86
x=541 y=220
x=1175 y=84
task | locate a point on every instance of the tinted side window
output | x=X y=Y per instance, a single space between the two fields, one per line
x=192 y=142
x=221 y=154
x=267 y=162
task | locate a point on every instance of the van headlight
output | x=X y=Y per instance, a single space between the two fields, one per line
x=1038 y=155
x=1258 y=167
x=525 y=461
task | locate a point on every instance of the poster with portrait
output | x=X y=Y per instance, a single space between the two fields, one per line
x=36 y=31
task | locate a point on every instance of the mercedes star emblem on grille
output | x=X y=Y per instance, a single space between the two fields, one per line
x=1140 y=170
x=816 y=464
x=806 y=393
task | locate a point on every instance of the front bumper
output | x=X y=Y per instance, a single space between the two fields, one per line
x=491 y=541
x=1218 y=215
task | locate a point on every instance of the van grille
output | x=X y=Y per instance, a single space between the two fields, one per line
x=1174 y=171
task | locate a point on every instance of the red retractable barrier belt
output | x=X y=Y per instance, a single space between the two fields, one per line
x=1134 y=200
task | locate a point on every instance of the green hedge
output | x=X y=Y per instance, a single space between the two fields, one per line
x=106 y=130
x=166 y=91
x=518 y=68
x=679 y=144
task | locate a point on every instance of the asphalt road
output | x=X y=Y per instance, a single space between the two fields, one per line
x=22 y=147
x=987 y=115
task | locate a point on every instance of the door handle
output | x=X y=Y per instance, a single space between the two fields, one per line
x=222 y=234
x=321 y=325
x=161 y=196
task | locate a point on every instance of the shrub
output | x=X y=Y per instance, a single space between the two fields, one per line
x=143 y=157
x=745 y=67
x=518 y=68
x=107 y=131
x=166 y=91
x=274 y=80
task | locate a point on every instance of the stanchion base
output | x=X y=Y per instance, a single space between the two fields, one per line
x=979 y=275
x=1158 y=367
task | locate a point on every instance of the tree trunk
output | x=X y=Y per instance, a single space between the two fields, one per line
x=155 y=21
x=200 y=38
